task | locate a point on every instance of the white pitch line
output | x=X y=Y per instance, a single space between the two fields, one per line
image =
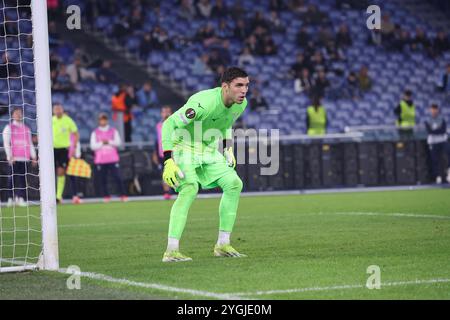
x=237 y=295
x=402 y=215
x=157 y=286
x=340 y=287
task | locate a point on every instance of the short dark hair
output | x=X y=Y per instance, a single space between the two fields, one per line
x=434 y=106
x=103 y=115
x=232 y=73
x=408 y=93
x=14 y=109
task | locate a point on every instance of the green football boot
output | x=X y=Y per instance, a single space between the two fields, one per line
x=175 y=256
x=227 y=250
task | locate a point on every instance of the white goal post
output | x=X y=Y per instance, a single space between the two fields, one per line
x=47 y=256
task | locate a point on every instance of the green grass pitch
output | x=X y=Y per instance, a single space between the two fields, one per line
x=318 y=246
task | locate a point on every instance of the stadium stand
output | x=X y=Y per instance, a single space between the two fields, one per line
x=391 y=71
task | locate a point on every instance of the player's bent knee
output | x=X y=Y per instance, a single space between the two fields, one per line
x=235 y=184
x=189 y=189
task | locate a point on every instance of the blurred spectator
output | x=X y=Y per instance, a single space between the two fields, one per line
x=223 y=31
x=387 y=29
x=324 y=36
x=276 y=5
x=55 y=60
x=246 y=58
x=204 y=9
x=298 y=7
x=304 y=83
x=240 y=30
x=87 y=60
x=160 y=39
x=269 y=46
x=121 y=28
x=104 y=142
x=105 y=73
x=343 y=38
x=256 y=48
x=224 y=52
x=318 y=62
x=406 y=111
x=130 y=103
x=300 y=64
x=314 y=17
x=147 y=97
x=420 y=41
x=61 y=80
x=136 y=21
x=321 y=83
x=437 y=142
x=186 y=10
x=219 y=10
x=275 y=23
x=78 y=73
x=257 y=101
x=7 y=68
x=303 y=37
x=258 y=21
x=444 y=83
x=440 y=44
x=206 y=35
x=364 y=81
x=401 y=41
x=119 y=110
x=237 y=11
x=145 y=46
x=351 y=86
x=200 y=66
x=333 y=53
x=215 y=60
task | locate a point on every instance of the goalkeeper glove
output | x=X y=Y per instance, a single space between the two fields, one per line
x=229 y=156
x=170 y=173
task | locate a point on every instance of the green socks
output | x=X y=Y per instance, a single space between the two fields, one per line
x=60 y=183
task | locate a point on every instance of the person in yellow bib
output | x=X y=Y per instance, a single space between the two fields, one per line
x=316 y=118
x=63 y=127
x=406 y=111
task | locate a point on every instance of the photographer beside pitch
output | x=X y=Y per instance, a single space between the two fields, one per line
x=192 y=158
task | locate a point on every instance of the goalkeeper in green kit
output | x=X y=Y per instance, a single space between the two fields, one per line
x=190 y=140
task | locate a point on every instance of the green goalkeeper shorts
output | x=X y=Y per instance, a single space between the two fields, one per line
x=206 y=173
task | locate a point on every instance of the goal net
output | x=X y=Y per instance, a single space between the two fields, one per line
x=28 y=238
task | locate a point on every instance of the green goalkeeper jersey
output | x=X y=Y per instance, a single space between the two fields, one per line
x=197 y=127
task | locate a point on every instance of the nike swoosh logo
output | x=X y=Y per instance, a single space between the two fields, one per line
x=215 y=119
x=200 y=106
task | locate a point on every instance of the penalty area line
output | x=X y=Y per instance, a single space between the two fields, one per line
x=339 y=287
x=156 y=286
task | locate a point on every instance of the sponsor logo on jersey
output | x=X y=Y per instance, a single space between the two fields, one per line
x=190 y=113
